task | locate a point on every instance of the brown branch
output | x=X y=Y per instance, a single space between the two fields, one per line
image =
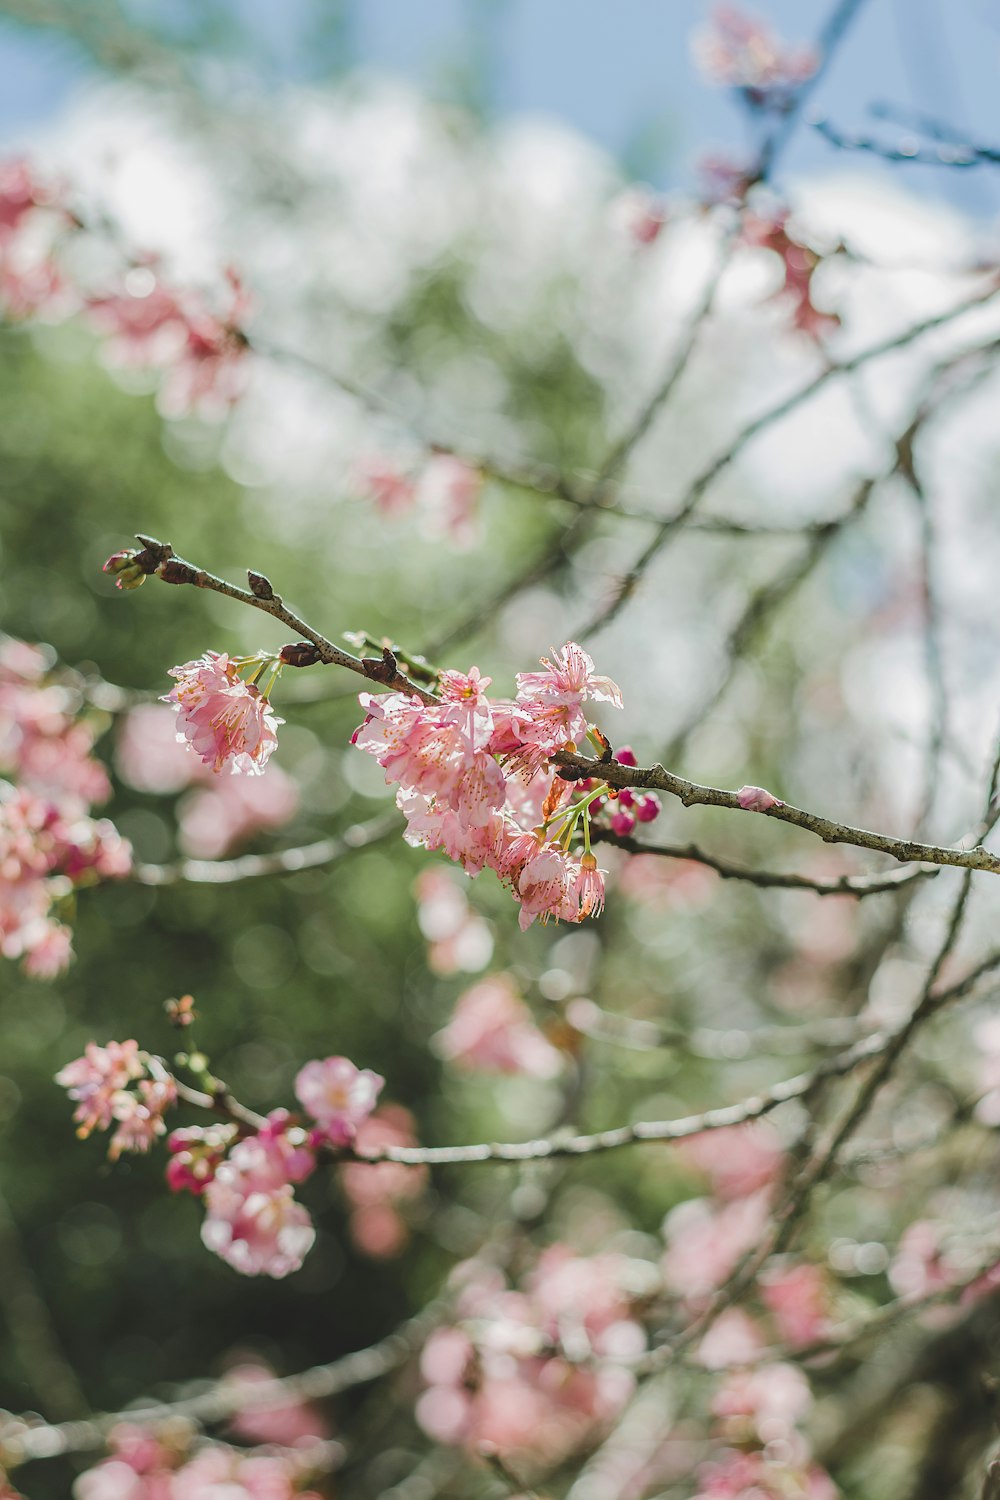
x=281 y=862
x=164 y=562
x=691 y=794
x=566 y=1145
x=857 y=886
x=773 y=414
x=25 y=1439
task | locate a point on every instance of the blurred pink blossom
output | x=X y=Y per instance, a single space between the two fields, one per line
x=492 y=1031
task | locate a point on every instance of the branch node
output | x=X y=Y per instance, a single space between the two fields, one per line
x=260 y=585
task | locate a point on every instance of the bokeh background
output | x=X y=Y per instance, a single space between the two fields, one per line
x=427 y=200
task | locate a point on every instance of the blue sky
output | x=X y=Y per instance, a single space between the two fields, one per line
x=621 y=73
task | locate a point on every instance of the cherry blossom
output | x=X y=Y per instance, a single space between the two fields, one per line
x=43 y=856
x=492 y=1031
x=473 y=778
x=375 y=1192
x=338 y=1096
x=736 y=50
x=146 y=1466
x=149 y=324
x=756 y=799
x=799 y=263
x=97 y=1078
x=508 y=1373
x=252 y=1220
x=225 y=720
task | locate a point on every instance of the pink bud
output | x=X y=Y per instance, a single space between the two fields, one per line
x=756 y=799
x=622 y=823
x=647 y=809
x=626 y=756
x=626 y=797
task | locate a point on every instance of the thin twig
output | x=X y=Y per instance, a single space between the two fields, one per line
x=702 y=482
x=857 y=886
x=280 y=862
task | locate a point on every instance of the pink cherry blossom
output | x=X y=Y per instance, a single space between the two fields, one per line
x=508 y=1375
x=196 y=1152
x=392 y=491
x=374 y=1192
x=798 y=1298
x=492 y=1031
x=224 y=720
x=472 y=778
x=736 y=50
x=97 y=1078
x=338 y=1096
x=139 y=1116
x=203 y=357
x=252 y=1219
x=146 y=1466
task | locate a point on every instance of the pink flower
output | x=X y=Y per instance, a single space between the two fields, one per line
x=391 y=490
x=799 y=264
x=203 y=357
x=225 y=720
x=139 y=1116
x=95 y=1080
x=738 y=51
x=756 y=799
x=739 y=1160
x=492 y=1031
x=252 y=1219
x=195 y=1155
x=338 y=1096
x=373 y=1192
x=798 y=1299
x=546 y=887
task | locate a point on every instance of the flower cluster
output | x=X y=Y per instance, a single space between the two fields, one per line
x=757 y=1409
x=201 y=356
x=112 y=1086
x=146 y=1466
x=245 y=1177
x=621 y=809
x=474 y=778
x=538 y=1370
x=375 y=1192
x=738 y=51
x=491 y=1031
x=225 y=718
x=799 y=263
x=49 y=845
x=442 y=491
x=32 y=220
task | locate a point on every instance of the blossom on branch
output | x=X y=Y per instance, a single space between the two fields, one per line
x=252 y=1220
x=737 y=50
x=225 y=720
x=338 y=1096
x=474 y=778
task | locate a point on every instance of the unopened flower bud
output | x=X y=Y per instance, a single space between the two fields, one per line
x=757 y=799
x=647 y=809
x=299 y=654
x=622 y=823
x=626 y=756
x=128 y=573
